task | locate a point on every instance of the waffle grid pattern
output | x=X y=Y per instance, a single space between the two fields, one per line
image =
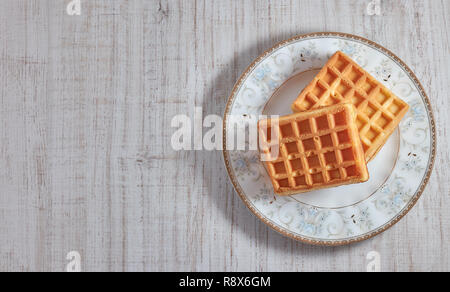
x=315 y=151
x=341 y=80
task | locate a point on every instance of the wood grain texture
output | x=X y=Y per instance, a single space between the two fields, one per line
x=85 y=158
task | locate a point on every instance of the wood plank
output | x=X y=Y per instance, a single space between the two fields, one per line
x=85 y=159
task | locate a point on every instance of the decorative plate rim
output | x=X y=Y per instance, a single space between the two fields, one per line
x=400 y=214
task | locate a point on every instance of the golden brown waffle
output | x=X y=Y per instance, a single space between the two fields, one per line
x=317 y=149
x=379 y=111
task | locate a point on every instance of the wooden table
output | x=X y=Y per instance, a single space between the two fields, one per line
x=86 y=106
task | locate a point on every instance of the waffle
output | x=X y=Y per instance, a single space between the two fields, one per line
x=317 y=149
x=379 y=111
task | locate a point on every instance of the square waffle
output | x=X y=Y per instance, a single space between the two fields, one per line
x=379 y=111
x=317 y=149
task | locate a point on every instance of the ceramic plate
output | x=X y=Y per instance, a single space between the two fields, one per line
x=346 y=214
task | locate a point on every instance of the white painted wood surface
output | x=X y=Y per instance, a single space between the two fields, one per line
x=85 y=109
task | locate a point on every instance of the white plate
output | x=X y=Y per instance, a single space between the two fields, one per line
x=346 y=214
